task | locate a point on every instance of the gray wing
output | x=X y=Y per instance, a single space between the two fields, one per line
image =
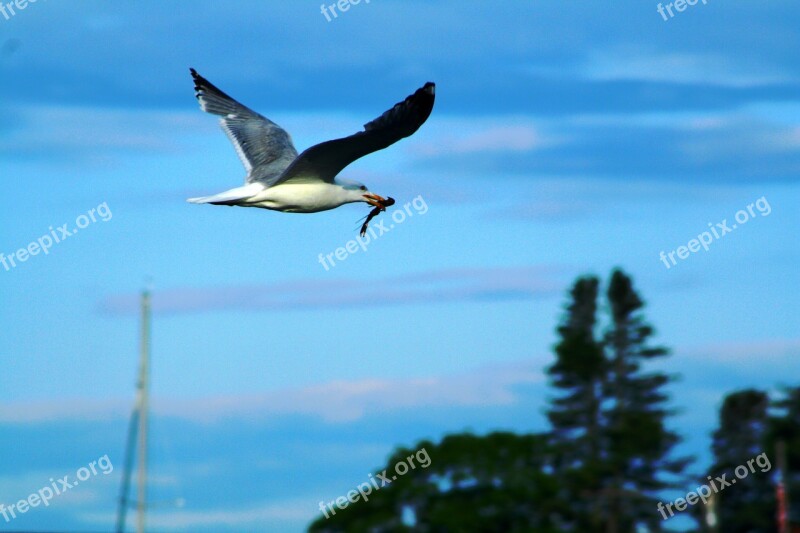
x=266 y=150
x=324 y=161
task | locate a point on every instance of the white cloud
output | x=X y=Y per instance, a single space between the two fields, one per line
x=334 y=402
x=90 y=130
x=777 y=352
x=345 y=401
x=256 y=516
x=706 y=69
x=94 y=490
x=467 y=284
x=457 y=135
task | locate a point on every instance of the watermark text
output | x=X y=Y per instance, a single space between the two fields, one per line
x=719 y=230
x=46 y=241
x=57 y=487
x=365 y=489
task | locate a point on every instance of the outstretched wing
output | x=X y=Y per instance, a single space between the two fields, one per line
x=266 y=150
x=324 y=161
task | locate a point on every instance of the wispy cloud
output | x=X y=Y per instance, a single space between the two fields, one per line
x=58 y=132
x=346 y=401
x=498 y=134
x=333 y=402
x=778 y=351
x=688 y=68
x=254 y=516
x=702 y=147
x=468 y=284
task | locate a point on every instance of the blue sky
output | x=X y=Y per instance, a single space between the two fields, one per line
x=568 y=138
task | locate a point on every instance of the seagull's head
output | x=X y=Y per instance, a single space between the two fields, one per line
x=358 y=192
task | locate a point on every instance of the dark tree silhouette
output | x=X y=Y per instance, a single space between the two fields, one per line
x=599 y=469
x=609 y=419
x=575 y=414
x=639 y=443
x=748 y=506
x=786 y=429
x=497 y=483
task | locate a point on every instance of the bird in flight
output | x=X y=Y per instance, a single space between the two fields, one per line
x=279 y=179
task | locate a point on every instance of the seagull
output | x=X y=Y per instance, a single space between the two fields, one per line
x=279 y=179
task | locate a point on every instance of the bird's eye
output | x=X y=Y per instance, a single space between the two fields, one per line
x=363 y=187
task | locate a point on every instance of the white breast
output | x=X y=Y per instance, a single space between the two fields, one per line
x=300 y=197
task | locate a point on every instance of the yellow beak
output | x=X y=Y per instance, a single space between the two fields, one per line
x=376 y=201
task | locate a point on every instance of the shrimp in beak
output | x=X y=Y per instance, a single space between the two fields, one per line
x=380 y=204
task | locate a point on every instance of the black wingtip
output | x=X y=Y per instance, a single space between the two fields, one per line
x=429 y=87
x=198 y=82
x=201 y=84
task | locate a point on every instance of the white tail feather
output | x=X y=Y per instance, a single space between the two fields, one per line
x=229 y=196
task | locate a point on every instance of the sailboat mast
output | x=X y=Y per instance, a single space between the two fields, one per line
x=144 y=387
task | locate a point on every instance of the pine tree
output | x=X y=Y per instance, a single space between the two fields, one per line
x=496 y=483
x=578 y=373
x=744 y=428
x=639 y=443
x=609 y=419
x=786 y=428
